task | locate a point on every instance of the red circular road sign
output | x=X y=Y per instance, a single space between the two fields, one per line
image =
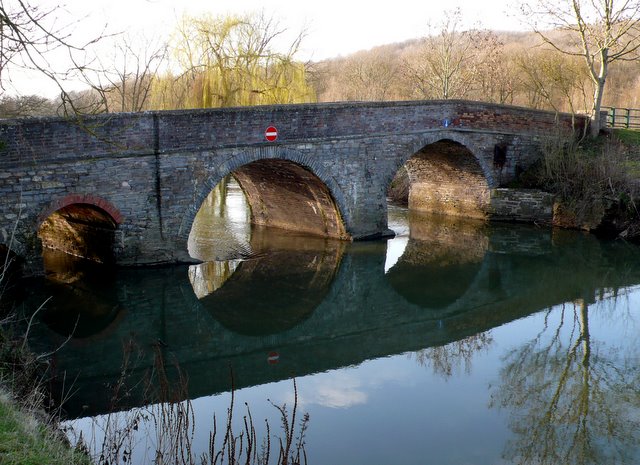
x=271 y=133
x=273 y=358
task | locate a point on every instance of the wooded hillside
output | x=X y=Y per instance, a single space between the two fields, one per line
x=231 y=61
x=504 y=67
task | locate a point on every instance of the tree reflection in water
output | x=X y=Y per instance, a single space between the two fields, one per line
x=572 y=399
x=446 y=359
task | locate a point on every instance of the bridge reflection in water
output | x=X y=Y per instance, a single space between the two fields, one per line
x=311 y=305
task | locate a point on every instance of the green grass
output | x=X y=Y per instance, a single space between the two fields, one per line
x=628 y=136
x=633 y=168
x=26 y=441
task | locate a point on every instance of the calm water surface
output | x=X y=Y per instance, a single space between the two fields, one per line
x=453 y=343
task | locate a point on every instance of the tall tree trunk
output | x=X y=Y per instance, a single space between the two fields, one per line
x=599 y=81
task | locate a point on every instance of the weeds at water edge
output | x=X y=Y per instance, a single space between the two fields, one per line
x=164 y=432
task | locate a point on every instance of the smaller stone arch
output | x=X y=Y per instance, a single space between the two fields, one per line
x=447 y=173
x=80 y=225
x=298 y=182
x=88 y=199
x=422 y=141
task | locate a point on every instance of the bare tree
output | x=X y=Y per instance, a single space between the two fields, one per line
x=601 y=32
x=445 y=63
x=368 y=76
x=25 y=105
x=553 y=81
x=496 y=79
x=28 y=36
x=124 y=81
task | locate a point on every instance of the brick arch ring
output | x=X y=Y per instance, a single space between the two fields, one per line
x=87 y=199
x=264 y=153
x=421 y=142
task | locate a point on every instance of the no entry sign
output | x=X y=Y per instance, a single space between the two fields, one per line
x=273 y=358
x=271 y=133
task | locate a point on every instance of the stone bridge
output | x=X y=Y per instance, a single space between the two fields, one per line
x=127 y=187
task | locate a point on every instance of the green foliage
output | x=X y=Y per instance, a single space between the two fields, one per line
x=25 y=441
x=228 y=61
x=627 y=136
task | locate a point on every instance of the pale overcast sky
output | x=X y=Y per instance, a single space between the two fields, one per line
x=334 y=27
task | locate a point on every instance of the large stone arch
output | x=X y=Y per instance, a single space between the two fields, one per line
x=245 y=157
x=449 y=173
x=463 y=138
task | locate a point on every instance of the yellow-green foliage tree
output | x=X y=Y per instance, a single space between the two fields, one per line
x=225 y=61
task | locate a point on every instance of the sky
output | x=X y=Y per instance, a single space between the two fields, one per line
x=333 y=27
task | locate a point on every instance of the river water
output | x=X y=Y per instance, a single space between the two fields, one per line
x=456 y=342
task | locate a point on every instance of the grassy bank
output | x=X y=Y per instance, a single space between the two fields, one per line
x=628 y=137
x=28 y=435
x=27 y=438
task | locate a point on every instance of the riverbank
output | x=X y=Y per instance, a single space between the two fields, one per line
x=28 y=438
x=596 y=184
x=28 y=435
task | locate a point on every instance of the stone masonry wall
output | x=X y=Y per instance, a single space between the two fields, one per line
x=523 y=205
x=446 y=178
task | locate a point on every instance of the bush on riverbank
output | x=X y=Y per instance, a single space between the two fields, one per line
x=594 y=183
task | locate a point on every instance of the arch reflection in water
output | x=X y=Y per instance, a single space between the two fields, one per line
x=441 y=260
x=78 y=298
x=354 y=312
x=274 y=291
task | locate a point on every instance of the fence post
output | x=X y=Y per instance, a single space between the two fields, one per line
x=613 y=117
x=628 y=117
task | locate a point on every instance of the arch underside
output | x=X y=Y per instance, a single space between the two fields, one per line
x=446 y=178
x=81 y=230
x=285 y=195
